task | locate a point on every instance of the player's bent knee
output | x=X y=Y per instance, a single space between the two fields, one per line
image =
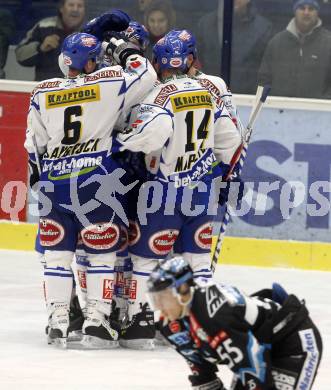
x=58 y=258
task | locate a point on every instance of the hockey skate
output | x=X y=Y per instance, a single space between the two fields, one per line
x=139 y=333
x=99 y=331
x=76 y=320
x=58 y=324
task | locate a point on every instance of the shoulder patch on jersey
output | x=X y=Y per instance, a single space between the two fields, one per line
x=210 y=86
x=46 y=85
x=162 y=96
x=215 y=92
x=215 y=299
x=103 y=74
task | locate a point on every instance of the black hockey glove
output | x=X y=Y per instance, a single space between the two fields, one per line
x=120 y=50
x=34 y=173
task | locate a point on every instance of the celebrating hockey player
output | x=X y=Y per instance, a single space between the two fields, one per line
x=193 y=135
x=70 y=124
x=268 y=339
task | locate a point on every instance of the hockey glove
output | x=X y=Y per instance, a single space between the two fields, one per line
x=33 y=172
x=115 y=20
x=215 y=384
x=120 y=50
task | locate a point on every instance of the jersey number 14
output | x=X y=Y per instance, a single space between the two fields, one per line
x=202 y=132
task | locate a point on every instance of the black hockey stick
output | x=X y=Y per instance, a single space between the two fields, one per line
x=260 y=98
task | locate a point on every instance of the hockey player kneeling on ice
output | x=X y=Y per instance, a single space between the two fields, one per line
x=268 y=339
x=74 y=149
x=179 y=122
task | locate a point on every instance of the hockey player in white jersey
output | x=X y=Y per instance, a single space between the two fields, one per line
x=215 y=84
x=70 y=125
x=196 y=140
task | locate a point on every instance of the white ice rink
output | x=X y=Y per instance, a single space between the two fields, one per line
x=28 y=363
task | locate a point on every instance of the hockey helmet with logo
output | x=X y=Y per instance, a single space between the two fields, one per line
x=78 y=48
x=138 y=32
x=190 y=40
x=171 y=51
x=170 y=273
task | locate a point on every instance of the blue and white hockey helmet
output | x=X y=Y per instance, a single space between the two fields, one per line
x=190 y=40
x=139 y=33
x=78 y=48
x=171 y=51
x=170 y=273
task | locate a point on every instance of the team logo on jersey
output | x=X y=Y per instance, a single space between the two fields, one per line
x=88 y=41
x=134 y=232
x=162 y=242
x=135 y=64
x=51 y=233
x=69 y=97
x=101 y=236
x=203 y=236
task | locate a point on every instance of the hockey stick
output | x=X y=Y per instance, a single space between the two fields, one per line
x=260 y=98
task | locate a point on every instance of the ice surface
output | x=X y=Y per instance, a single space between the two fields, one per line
x=28 y=363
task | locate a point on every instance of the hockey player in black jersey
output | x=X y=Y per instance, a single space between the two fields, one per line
x=267 y=339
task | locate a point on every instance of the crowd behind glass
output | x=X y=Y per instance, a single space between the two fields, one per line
x=285 y=43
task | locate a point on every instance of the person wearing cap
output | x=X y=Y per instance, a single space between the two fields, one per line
x=297 y=61
x=266 y=339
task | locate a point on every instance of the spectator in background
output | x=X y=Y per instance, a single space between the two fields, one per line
x=7 y=30
x=140 y=7
x=251 y=33
x=297 y=61
x=160 y=17
x=42 y=44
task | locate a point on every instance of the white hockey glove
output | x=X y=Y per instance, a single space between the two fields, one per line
x=120 y=50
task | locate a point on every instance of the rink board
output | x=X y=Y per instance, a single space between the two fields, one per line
x=235 y=251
